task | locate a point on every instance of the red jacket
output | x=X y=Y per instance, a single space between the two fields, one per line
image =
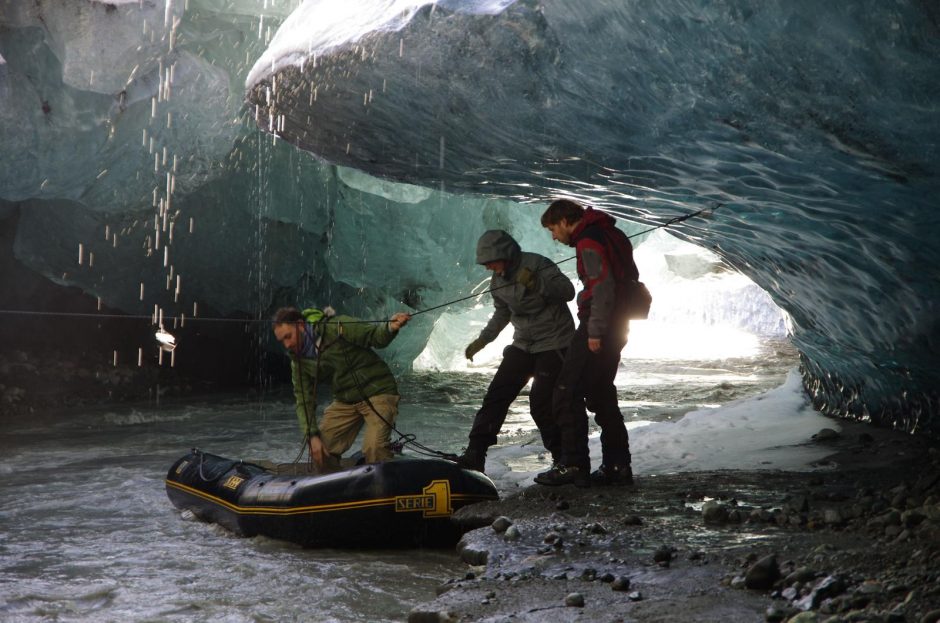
x=605 y=265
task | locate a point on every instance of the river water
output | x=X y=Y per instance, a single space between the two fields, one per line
x=88 y=533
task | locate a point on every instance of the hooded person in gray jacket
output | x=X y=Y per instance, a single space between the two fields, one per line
x=530 y=292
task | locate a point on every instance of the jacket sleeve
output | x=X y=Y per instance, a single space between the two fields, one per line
x=553 y=285
x=365 y=334
x=497 y=321
x=603 y=288
x=304 y=378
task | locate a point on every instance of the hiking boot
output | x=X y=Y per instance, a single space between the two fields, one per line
x=613 y=476
x=472 y=459
x=564 y=475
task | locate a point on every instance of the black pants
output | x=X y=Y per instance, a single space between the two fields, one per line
x=514 y=372
x=587 y=378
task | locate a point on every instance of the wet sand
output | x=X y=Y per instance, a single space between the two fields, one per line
x=858 y=539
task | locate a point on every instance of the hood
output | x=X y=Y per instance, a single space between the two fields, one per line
x=592 y=217
x=496 y=244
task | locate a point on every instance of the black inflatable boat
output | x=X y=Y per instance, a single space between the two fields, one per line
x=405 y=502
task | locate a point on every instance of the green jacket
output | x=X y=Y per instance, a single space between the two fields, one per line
x=346 y=361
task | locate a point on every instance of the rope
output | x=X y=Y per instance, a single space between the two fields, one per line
x=672 y=221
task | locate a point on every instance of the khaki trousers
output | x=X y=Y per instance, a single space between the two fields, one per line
x=342 y=421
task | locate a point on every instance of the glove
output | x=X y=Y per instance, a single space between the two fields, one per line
x=526 y=278
x=474 y=347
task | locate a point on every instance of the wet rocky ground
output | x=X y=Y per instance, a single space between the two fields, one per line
x=857 y=539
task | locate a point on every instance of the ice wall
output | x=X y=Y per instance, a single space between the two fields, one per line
x=129 y=156
x=814 y=127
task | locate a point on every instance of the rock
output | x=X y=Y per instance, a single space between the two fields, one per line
x=635 y=596
x=635 y=520
x=501 y=524
x=931 y=617
x=562 y=506
x=512 y=533
x=663 y=553
x=622 y=583
x=826 y=435
x=804 y=617
x=833 y=517
x=912 y=518
x=472 y=555
x=424 y=616
x=574 y=600
x=827 y=588
x=714 y=513
x=596 y=528
x=803 y=574
x=762 y=574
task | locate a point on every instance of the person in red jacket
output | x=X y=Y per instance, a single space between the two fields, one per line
x=605 y=268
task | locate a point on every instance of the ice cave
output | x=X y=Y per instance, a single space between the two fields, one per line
x=184 y=160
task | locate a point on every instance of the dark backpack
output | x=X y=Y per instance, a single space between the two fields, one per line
x=636 y=297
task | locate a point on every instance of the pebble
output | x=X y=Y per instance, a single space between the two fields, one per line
x=501 y=524
x=763 y=573
x=512 y=533
x=574 y=600
x=931 y=617
x=663 y=553
x=622 y=583
x=826 y=434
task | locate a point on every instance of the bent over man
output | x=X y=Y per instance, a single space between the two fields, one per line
x=338 y=350
x=530 y=292
x=605 y=268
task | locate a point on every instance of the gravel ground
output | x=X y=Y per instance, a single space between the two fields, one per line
x=857 y=539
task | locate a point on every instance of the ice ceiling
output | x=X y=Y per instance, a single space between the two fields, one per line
x=211 y=156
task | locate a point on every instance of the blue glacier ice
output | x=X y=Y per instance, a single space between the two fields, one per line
x=815 y=128
x=225 y=157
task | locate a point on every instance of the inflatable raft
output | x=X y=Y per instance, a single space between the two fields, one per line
x=405 y=502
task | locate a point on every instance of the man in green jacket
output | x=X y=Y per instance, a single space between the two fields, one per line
x=338 y=350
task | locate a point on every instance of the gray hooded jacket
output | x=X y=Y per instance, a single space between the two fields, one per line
x=541 y=318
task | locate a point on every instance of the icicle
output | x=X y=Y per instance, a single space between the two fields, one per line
x=140 y=357
x=81 y=253
x=114 y=359
x=141 y=290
